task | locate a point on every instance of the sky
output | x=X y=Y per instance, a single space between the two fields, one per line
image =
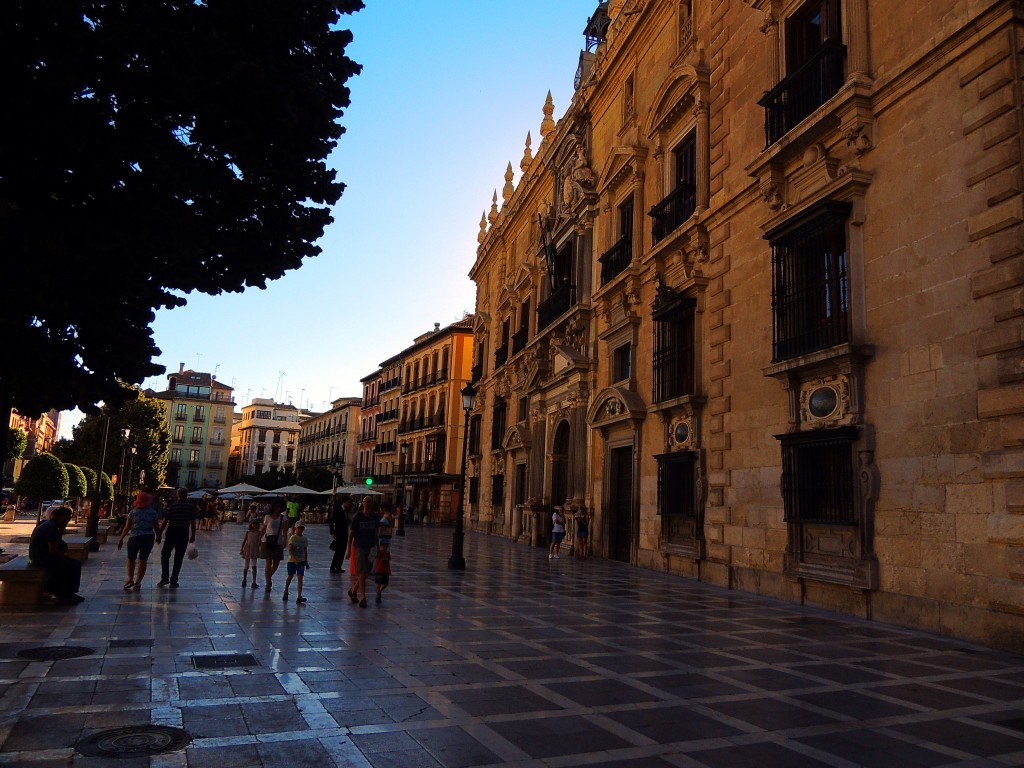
x=448 y=92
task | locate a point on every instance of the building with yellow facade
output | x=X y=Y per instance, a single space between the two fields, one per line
x=413 y=422
x=198 y=411
x=328 y=439
x=754 y=306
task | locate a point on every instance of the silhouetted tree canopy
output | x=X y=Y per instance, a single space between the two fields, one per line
x=148 y=150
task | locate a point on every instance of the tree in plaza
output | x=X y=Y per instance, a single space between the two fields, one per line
x=44 y=477
x=78 y=484
x=144 y=418
x=17 y=442
x=149 y=150
x=316 y=478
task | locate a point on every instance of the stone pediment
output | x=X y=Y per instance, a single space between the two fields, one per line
x=517 y=436
x=681 y=91
x=622 y=164
x=614 y=405
x=566 y=359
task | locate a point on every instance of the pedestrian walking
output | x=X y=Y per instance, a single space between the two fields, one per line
x=582 y=519
x=557 y=533
x=298 y=552
x=362 y=537
x=382 y=563
x=140 y=530
x=47 y=549
x=338 y=523
x=250 y=553
x=272 y=543
x=177 y=527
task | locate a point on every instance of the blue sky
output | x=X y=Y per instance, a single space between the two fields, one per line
x=447 y=94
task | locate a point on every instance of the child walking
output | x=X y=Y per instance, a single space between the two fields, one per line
x=298 y=547
x=251 y=553
x=382 y=565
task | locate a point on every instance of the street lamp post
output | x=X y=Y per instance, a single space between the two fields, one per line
x=119 y=497
x=400 y=490
x=131 y=470
x=457 y=562
x=336 y=468
x=92 y=523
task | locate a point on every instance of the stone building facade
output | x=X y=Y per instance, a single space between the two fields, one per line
x=755 y=304
x=198 y=410
x=328 y=439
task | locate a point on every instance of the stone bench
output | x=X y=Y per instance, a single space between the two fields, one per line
x=78 y=547
x=21 y=583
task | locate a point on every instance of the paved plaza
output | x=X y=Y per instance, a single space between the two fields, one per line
x=520 y=661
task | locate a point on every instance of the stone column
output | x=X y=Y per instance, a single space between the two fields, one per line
x=858 y=54
x=702 y=114
x=770 y=27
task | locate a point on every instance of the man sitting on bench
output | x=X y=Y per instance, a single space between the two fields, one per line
x=47 y=549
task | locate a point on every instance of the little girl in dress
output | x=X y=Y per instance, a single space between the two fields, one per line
x=251 y=552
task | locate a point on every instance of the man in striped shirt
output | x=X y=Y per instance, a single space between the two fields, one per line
x=178 y=521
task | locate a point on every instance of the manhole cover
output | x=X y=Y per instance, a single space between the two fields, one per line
x=133 y=741
x=136 y=642
x=224 y=660
x=54 y=653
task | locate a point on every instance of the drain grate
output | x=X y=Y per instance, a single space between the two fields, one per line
x=224 y=660
x=55 y=653
x=132 y=642
x=134 y=741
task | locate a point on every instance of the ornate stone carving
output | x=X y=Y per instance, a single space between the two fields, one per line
x=508 y=189
x=825 y=401
x=576 y=334
x=483 y=228
x=547 y=125
x=580 y=181
x=859 y=137
x=527 y=155
x=494 y=208
x=770 y=194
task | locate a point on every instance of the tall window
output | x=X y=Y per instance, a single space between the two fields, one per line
x=818 y=476
x=182 y=411
x=681 y=201
x=200 y=413
x=193 y=457
x=175 y=456
x=810 y=282
x=498 y=423
x=621 y=363
x=674 y=349
x=179 y=432
x=497 y=489
x=197 y=434
x=474 y=435
x=676 y=483
x=617 y=258
x=815 y=67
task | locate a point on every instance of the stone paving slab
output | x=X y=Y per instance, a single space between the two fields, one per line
x=519 y=661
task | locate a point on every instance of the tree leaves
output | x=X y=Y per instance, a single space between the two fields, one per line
x=150 y=150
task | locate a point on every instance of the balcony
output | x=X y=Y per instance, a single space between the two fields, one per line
x=217 y=441
x=804 y=90
x=193 y=464
x=519 y=339
x=219 y=419
x=180 y=416
x=501 y=355
x=616 y=259
x=433 y=467
x=478 y=372
x=670 y=213
x=555 y=305
x=178 y=440
x=389 y=447
x=215 y=465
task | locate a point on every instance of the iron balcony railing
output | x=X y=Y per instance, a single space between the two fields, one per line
x=616 y=259
x=500 y=355
x=555 y=305
x=670 y=213
x=426 y=381
x=804 y=90
x=433 y=467
x=478 y=372
x=519 y=340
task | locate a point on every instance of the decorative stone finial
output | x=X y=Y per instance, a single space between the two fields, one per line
x=483 y=228
x=494 y=208
x=508 y=189
x=547 y=125
x=527 y=155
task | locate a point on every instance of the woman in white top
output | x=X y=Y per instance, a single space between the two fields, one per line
x=557 y=532
x=271 y=545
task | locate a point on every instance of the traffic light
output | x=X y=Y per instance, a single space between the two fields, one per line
x=369 y=481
